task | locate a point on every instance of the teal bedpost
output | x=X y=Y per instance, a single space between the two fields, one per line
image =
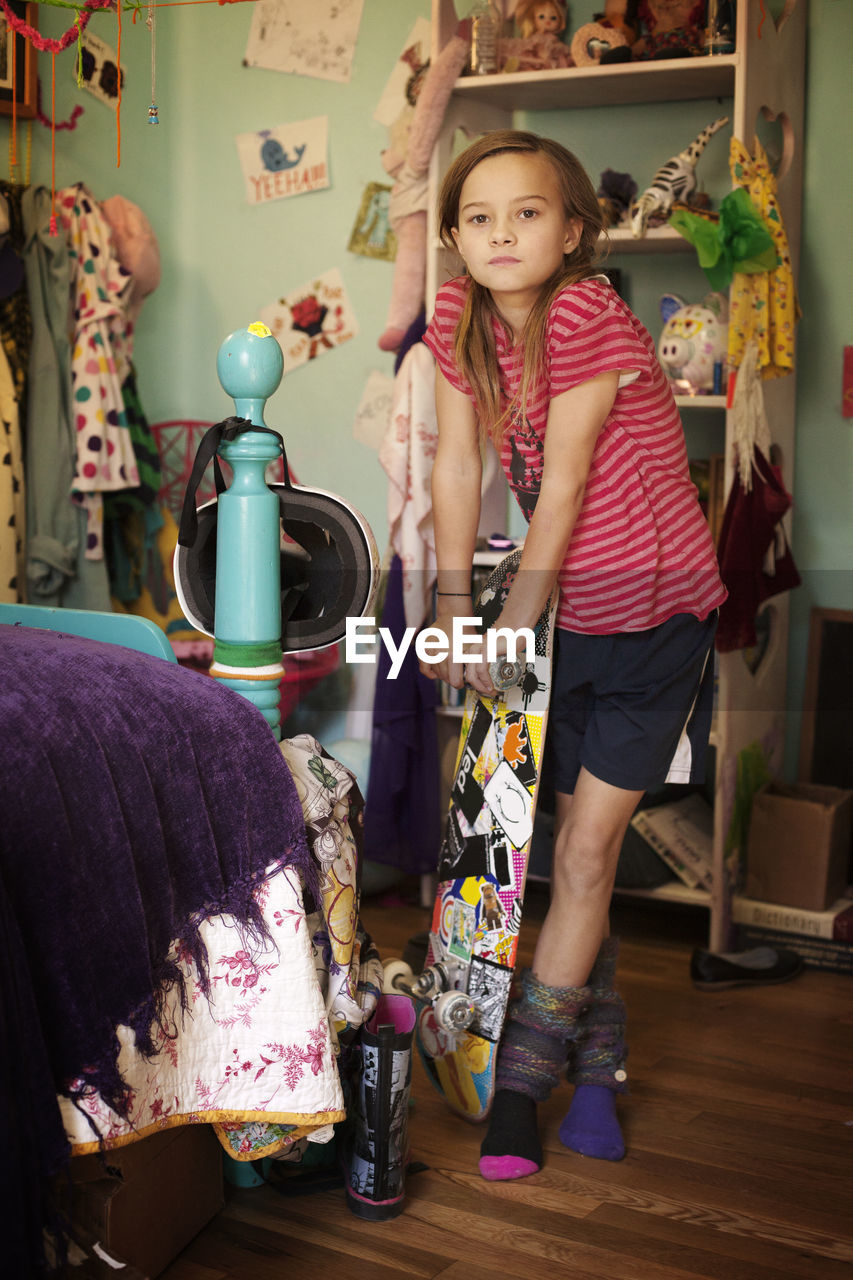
x=247 y=628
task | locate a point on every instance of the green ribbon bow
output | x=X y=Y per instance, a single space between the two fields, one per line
x=734 y=240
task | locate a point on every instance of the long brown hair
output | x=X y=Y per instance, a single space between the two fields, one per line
x=474 y=349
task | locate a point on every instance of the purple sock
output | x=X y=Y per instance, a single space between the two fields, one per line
x=591 y=1127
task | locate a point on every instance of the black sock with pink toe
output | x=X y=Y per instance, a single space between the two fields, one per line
x=531 y=1060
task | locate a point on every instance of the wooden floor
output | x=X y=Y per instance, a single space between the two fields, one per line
x=739 y=1127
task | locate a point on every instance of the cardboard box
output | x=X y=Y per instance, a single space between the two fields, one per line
x=171 y=1187
x=799 y=843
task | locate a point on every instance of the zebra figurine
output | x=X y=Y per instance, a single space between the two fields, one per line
x=675 y=180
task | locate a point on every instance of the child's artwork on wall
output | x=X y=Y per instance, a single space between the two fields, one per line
x=285 y=161
x=374 y=410
x=304 y=37
x=311 y=320
x=98 y=67
x=411 y=64
x=372 y=236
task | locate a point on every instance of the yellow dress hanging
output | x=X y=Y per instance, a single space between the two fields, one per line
x=763 y=307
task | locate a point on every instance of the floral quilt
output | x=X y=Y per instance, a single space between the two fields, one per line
x=257 y=1059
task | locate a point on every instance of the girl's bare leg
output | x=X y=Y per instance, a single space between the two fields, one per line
x=589 y=830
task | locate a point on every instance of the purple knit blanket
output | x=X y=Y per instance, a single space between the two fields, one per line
x=136 y=799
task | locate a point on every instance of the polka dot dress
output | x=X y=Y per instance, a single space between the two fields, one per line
x=100 y=359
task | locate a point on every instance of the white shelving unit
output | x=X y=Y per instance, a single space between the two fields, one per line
x=764 y=77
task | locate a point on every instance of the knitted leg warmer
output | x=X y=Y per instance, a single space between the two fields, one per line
x=597 y=1066
x=600 y=1050
x=530 y=1061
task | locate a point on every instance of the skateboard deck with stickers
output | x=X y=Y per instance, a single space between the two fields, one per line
x=482 y=868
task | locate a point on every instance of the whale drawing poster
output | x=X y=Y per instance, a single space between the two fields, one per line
x=287 y=160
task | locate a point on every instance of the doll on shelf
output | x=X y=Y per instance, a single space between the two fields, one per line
x=540 y=17
x=673 y=29
x=539 y=47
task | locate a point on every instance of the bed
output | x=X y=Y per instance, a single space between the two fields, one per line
x=178 y=913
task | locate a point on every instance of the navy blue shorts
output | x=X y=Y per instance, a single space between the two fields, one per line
x=633 y=709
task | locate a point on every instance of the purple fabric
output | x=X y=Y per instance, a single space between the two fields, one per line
x=402 y=819
x=33 y=1146
x=136 y=799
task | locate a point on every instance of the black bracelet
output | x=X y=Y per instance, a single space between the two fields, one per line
x=466 y=594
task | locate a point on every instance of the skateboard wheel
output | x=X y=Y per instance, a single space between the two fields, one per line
x=454 y=1011
x=505 y=674
x=396 y=976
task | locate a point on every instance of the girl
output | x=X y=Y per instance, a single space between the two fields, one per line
x=535 y=350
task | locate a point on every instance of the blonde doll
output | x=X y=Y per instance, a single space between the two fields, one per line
x=540 y=17
x=539 y=48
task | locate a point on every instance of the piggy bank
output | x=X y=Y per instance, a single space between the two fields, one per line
x=695 y=337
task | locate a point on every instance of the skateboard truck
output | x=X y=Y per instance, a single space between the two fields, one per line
x=504 y=674
x=454 y=1009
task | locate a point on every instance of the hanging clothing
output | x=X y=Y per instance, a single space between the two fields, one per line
x=406 y=454
x=58 y=573
x=100 y=359
x=763 y=306
x=13 y=518
x=136 y=249
x=132 y=517
x=755 y=559
x=402 y=818
x=52 y=522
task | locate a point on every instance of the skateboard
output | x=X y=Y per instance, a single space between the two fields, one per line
x=464 y=989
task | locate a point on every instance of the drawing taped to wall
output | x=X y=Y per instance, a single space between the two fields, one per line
x=98 y=68
x=374 y=410
x=311 y=320
x=288 y=160
x=304 y=37
x=372 y=236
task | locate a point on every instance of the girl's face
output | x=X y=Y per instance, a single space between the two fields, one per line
x=513 y=230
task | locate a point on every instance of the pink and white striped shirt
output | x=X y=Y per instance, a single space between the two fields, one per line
x=641 y=550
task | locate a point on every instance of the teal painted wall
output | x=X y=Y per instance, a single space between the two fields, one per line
x=823 y=475
x=223 y=260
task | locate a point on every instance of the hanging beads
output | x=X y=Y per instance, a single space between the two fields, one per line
x=150 y=22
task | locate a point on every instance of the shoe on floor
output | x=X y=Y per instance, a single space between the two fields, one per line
x=716 y=970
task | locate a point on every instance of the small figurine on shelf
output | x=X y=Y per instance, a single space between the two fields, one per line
x=609 y=37
x=538 y=47
x=694 y=342
x=616 y=193
x=674 y=180
x=673 y=29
